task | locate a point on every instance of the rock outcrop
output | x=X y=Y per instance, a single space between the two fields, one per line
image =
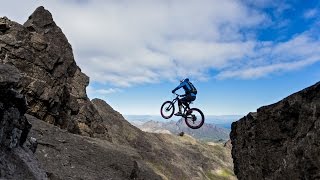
x=51 y=81
x=16 y=162
x=280 y=141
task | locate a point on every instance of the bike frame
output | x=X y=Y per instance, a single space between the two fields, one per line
x=185 y=108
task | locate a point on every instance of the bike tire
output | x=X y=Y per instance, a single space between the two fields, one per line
x=201 y=120
x=163 y=109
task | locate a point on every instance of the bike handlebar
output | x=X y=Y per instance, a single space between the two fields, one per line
x=178 y=95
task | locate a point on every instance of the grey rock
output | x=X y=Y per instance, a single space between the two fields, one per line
x=54 y=86
x=12 y=108
x=32 y=144
x=9 y=76
x=280 y=141
x=4 y=24
x=68 y=156
x=16 y=162
x=181 y=133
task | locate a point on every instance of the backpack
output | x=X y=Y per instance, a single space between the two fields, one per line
x=193 y=89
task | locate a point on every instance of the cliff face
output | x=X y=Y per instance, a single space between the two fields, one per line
x=280 y=141
x=51 y=81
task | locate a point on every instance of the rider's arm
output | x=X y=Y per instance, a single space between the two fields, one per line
x=178 y=87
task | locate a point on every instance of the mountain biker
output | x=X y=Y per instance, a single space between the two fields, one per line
x=190 y=94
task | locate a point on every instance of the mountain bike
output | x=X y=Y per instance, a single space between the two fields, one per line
x=193 y=117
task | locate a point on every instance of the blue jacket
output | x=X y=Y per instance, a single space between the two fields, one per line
x=185 y=86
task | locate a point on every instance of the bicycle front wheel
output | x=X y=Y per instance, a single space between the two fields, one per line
x=194 y=118
x=167 y=110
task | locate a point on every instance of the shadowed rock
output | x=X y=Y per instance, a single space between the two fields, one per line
x=280 y=141
x=15 y=162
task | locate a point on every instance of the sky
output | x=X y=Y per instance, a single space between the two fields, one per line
x=240 y=54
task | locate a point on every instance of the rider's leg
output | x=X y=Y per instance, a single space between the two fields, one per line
x=186 y=100
x=179 y=105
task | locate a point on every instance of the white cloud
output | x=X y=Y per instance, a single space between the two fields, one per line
x=261 y=71
x=107 y=91
x=130 y=42
x=270 y=58
x=124 y=43
x=94 y=92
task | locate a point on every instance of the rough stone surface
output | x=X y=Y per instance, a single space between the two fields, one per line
x=120 y=130
x=280 y=141
x=4 y=25
x=53 y=84
x=15 y=162
x=12 y=108
x=69 y=156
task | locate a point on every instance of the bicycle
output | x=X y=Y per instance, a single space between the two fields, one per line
x=191 y=115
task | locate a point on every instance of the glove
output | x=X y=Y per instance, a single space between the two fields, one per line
x=173 y=91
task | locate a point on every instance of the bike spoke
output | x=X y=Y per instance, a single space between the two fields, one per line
x=167 y=110
x=194 y=119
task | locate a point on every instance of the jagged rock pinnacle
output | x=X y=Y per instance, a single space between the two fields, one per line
x=39 y=19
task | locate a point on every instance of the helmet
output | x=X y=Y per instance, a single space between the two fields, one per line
x=186 y=79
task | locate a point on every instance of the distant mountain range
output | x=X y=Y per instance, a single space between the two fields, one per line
x=223 y=121
x=208 y=132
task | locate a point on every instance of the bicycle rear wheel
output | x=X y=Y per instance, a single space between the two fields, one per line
x=194 y=118
x=167 y=110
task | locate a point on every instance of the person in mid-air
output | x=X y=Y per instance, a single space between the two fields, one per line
x=190 y=94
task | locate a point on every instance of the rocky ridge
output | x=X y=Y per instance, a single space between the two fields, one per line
x=280 y=141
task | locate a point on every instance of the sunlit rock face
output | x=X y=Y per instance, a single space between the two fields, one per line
x=53 y=84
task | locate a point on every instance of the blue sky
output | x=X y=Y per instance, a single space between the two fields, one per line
x=241 y=55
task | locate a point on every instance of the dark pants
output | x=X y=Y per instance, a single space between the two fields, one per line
x=185 y=100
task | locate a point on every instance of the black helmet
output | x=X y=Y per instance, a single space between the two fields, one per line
x=186 y=79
